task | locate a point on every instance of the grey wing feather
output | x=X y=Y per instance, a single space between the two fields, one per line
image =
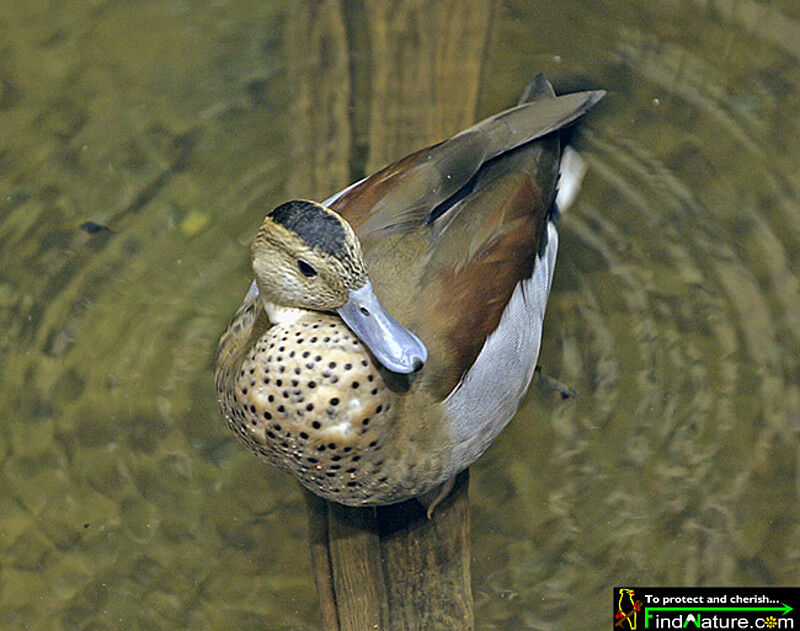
x=505 y=364
x=448 y=166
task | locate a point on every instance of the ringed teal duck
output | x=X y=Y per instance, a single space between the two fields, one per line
x=392 y=330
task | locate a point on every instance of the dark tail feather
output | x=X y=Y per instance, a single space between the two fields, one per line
x=538 y=88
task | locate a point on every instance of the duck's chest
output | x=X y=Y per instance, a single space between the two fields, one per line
x=309 y=398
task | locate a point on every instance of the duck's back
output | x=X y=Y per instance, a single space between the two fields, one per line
x=450 y=231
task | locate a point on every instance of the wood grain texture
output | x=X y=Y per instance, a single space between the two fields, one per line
x=377 y=80
x=317 y=53
x=392 y=568
x=426 y=563
x=427 y=57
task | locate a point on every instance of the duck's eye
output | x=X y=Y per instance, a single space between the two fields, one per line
x=306 y=269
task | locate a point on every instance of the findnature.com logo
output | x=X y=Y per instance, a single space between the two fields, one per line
x=705 y=608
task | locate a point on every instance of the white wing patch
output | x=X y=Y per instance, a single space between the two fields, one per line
x=571 y=172
x=252 y=293
x=488 y=395
x=347 y=189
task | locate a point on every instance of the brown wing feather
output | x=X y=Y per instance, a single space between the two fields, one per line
x=355 y=205
x=466 y=297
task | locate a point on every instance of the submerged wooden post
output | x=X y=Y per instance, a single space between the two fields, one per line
x=375 y=81
x=392 y=568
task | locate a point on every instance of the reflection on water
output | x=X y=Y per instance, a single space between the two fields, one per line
x=675 y=311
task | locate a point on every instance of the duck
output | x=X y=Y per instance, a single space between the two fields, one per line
x=391 y=331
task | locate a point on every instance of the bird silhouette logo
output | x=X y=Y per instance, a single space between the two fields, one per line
x=627 y=608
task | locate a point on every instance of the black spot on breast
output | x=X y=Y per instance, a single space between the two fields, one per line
x=316 y=227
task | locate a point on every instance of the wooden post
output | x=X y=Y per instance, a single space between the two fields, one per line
x=374 y=81
x=391 y=568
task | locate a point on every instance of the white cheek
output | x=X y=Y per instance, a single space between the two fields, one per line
x=282 y=315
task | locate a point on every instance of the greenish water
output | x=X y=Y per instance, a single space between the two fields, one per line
x=675 y=313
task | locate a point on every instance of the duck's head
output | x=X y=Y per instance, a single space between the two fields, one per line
x=307 y=257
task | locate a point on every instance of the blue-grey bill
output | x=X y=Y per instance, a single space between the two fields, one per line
x=394 y=346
